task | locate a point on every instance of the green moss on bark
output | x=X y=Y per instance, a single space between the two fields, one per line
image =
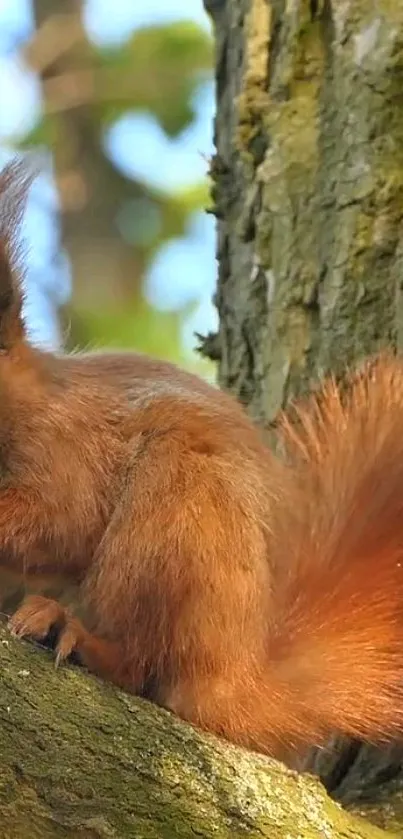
x=79 y=759
x=310 y=130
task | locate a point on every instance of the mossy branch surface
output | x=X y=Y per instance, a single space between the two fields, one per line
x=81 y=759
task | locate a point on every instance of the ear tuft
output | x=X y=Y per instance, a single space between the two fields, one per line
x=15 y=181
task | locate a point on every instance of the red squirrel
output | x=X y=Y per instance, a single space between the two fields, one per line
x=257 y=597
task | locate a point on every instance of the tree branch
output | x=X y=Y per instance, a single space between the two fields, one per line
x=80 y=759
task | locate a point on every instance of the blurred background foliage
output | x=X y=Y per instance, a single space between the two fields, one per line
x=115 y=108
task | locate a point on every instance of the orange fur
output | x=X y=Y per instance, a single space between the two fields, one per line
x=258 y=599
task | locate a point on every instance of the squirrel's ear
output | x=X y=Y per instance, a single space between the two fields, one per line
x=15 y=182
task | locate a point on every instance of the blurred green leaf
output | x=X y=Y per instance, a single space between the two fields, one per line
x=139 y=326
x=42 y=134
x=157 y=69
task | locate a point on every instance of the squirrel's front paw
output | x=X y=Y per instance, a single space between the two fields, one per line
x=36 y=617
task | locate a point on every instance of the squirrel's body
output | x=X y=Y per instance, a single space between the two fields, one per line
x=258 y=599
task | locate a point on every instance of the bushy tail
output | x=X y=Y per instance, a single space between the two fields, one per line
x=15 y=181
x=336 y=641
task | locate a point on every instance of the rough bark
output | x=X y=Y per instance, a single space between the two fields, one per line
x=308 y=188
x=308 y=194
x=79 y=759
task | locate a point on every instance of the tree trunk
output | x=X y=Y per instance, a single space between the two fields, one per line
x=308 y=187
x=308 y=194
x=79 y=759
x=90 y=188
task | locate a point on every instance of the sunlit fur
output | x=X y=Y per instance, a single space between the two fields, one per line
x=259 y=599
